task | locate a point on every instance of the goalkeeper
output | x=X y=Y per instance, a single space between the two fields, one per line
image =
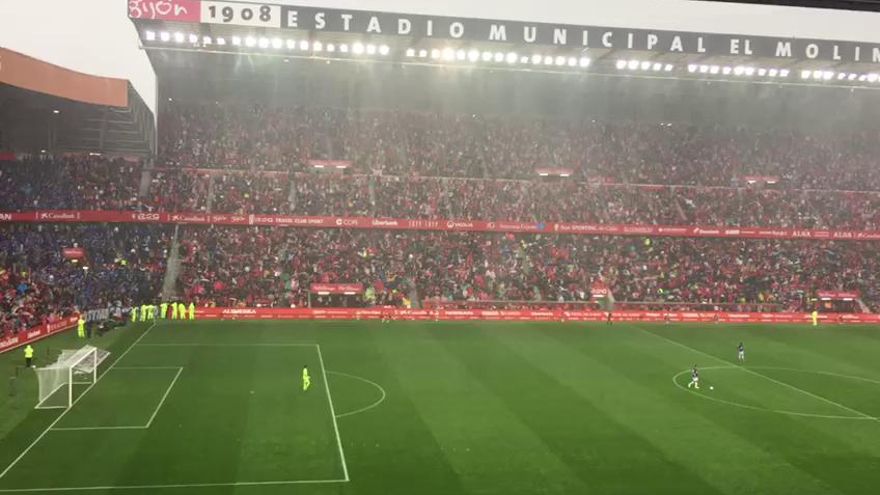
x=307 y=380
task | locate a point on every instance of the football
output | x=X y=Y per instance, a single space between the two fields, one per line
x=711 y=387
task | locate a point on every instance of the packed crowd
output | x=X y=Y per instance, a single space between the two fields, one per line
x=253 y=159
x=123 y=265
x=276 y=267
x=95 y=183
x=507 y=146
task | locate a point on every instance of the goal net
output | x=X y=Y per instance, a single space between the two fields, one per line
x=73 y=367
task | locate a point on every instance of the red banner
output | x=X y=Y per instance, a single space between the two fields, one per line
x=96 y=216
x=837 y=295
x=348 y=289
x=36 y=333
x=523 y=315
x=7 y=156
x=225 y=171
x=167 y=10
x=75 y=253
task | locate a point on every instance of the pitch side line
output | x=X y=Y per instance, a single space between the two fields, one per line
x=332 y=412
x=747 y=370
x=63 y=413
x=181 y=485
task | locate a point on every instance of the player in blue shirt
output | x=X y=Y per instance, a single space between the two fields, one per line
x=695 y=378
x=741 y=353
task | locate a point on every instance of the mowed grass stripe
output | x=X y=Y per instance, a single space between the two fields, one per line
x=582 y=429
x=487 y=444
x=797 y=440
x=812 y=351
x=391 y=449
x=288 y=433
x=628 y=376
x=204 y=420
x=839 y=349
x=746 y=369
x=516 y=390
x=820 y=447
x=20 y=424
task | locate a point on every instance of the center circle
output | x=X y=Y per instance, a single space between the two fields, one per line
x=776 y=411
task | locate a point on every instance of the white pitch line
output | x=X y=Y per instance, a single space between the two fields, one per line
x=792 y=387
x=365 y=408
x=756 y=408
x=146 y=367
x=332 y=413
x=153 y=416
x=161 y=402
x=92 y=428
x=181 y=485
x=48 y=428
x=285 y=344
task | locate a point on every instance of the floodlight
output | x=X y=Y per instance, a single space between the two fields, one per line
x=384 y=50
x=150 y=35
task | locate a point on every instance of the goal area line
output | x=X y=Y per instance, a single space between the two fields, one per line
x=152 y=416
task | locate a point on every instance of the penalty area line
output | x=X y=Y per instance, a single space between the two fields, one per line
x=332 y=412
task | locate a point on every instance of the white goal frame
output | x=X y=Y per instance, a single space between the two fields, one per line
x=88 y=357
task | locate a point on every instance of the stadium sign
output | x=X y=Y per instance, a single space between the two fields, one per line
x=452 y=225
x=315 y=19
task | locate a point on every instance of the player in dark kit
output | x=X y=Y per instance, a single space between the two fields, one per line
x=741 y=353
x=695 y=378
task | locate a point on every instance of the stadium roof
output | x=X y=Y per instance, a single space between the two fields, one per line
x=70 y=111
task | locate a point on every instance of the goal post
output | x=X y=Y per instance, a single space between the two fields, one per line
x=73 y=367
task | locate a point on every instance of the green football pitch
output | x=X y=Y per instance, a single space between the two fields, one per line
x=447 y=408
